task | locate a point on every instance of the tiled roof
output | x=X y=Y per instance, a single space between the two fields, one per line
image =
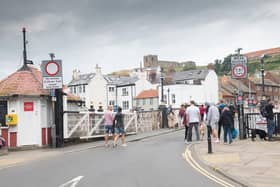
x=261 y=52
x=83 y=79
x=23 y=83
x=147 y=94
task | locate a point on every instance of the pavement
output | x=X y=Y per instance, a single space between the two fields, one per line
x=15 y=158
x=250 y=163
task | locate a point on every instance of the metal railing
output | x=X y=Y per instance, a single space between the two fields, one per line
x=251 y=120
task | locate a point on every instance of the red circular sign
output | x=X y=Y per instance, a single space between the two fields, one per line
x=52 y=68
x=239 y=71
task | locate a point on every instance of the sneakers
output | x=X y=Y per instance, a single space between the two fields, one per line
x=124 y=145
x=114 y=145
x=186 y=142
x=217 y=140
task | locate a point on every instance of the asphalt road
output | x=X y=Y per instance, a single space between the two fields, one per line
x=154 y=162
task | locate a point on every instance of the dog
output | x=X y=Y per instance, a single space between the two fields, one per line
x=261 y=133
x=201 y=131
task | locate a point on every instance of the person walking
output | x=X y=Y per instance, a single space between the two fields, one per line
x=270 y=119
x=213 y=117
x=227 y=122
x=182 y=112
x=119 y=127
x=171 y=119
x=194 y=120
x=109 y=128
x=221 y=107
x=202 y=111
x=186 y=124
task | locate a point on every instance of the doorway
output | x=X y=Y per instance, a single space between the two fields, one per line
x=3 y=112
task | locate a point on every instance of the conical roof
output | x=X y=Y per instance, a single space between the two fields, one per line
x=23 y=82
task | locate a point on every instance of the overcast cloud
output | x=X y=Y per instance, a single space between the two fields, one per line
x=116 y=34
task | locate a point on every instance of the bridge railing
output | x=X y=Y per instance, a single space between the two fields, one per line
x=91 y=124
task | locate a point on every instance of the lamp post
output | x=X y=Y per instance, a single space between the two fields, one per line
x=262 y=72
x=168 y=96
x=162 y=106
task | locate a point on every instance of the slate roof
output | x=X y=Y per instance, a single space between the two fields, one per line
x=190 y=75
x=120 y=81
x=84 y=79
x=147 y=94
x=23 y=82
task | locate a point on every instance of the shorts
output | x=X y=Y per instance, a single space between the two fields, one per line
x=120 y=130
x=214 y=125
x=109 y=129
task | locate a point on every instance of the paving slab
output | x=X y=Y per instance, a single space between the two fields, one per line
x=253 y=163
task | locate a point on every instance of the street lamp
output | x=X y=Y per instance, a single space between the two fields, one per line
x=168 y=100
x=262 y=72
x=162 y=106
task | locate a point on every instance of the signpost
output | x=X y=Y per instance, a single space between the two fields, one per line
x=238 y=67
x=239 y=71
x=52 y=74
x=53 y=80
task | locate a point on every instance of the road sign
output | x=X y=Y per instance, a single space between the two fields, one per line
x=52 y=74
x=238 y=67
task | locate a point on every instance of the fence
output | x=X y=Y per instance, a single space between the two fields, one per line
x=91 y=124
x=252 y=118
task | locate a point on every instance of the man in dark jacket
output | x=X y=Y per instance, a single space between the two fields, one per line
x=270 y=119
x=227 y=122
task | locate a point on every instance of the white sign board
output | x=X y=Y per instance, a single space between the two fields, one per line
x=238 y=67
x=52 y=74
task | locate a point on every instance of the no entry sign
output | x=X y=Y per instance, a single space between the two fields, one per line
x=52 y=74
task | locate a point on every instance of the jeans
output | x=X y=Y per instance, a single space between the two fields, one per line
x=190 y=131
x=270 y=127
x=227 y=132
x=186 y=132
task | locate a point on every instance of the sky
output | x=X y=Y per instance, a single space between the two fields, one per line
x=116 y=34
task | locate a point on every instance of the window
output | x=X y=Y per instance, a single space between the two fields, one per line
x=75 y=89
x=173 y=98
x=275 y=98
x=124 y=92
x=80 y=89
x=164 y=99
x=137 y=102
x=144 y=101
x=270 y=89
x=112 y=102
x=125 y=105
x=111 y=89
x=258 y=87
x=71 y=89
x=84 y=88
x=151 y=101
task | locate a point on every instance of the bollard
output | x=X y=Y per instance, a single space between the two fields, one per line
x=209 y=139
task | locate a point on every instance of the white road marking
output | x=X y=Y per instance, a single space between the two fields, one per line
x=197 y=167
x=73 y=182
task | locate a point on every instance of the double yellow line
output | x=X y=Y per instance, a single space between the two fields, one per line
x=187 y=155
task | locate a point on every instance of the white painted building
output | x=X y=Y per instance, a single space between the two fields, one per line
x=23 y=96
x=103 y=90
x=198 y=85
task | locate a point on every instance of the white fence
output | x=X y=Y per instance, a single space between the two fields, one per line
x=91 y=124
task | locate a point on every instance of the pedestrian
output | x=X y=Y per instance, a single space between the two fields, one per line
x=270 y=119
x=194 y=120
x=202 y=111
x=109 y=127
x=221 y=107
x=227 y=122
x=186 y=124
x=182 y=112
x=213 y=117
x=119 y=127
x=171 y=119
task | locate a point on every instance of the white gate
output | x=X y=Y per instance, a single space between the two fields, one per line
x=91 y=124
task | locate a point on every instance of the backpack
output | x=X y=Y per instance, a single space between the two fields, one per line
x=263 y=111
